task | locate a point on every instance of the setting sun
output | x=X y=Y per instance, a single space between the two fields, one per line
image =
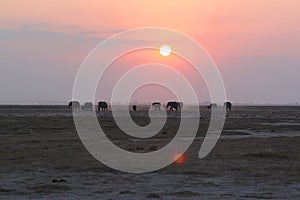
x=165 y=50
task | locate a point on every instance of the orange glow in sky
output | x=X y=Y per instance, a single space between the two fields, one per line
x=225 y=28
x=247 y=39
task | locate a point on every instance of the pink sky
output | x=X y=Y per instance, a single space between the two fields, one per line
x=256 y=44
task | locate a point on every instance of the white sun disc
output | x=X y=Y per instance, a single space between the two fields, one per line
x=165 y=50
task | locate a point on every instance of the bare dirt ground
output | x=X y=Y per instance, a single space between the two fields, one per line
x=257 y=157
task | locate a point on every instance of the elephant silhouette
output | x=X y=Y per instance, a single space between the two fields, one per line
x=74 y=105
x=228 y=105
x=88 y=106
x=173 y=105
x=212 y=105
x=180 y=105
x=156 y=105
x=134 y=107
x=102 y=105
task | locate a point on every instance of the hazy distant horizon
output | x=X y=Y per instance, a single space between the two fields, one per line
x=61 y=103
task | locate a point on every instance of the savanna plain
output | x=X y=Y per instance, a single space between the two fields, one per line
x=256 y=157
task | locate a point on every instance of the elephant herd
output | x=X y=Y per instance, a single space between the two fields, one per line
x=171 y=105
x=102 y=106
x=227 y=105
x=88 y=106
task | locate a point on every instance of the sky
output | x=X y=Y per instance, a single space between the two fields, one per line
x=255 y=44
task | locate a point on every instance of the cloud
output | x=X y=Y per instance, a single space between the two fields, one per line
x=70 y=27
x=46 y=31
x=101 y=33
x=33 y=34
x=115 y=30
x=231 y=37
x=89 y=36
x=88 y=32
x=35 y=26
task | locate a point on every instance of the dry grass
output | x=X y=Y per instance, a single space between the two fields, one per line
x=269 y=153
x=49 y=188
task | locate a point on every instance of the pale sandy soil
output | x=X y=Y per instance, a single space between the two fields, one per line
x=257 y=157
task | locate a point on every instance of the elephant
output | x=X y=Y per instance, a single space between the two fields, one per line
x=173 y=105
x=212 y=105
x=75 y=105
x=228 y=105
x=156 y=105
x=88 y=106
x=102 y=105
x=180 y=105
x=134 y=107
